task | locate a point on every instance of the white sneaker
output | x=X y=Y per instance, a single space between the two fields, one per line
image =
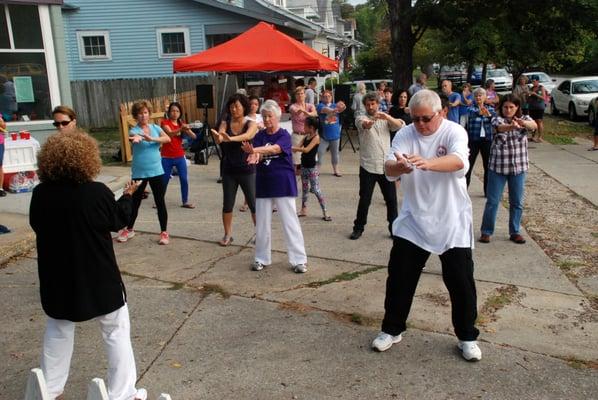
x=257 y=266
x=300 y=268
x=141 y=394
x=125 y=235
x=384 y=341
x=470 y=350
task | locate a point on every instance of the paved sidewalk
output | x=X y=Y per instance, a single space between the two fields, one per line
x=571 y=165
x=206 y=327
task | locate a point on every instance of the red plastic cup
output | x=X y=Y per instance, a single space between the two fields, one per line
x=25 y=135
x=14 y=135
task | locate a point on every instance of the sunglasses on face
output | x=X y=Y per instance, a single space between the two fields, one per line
x=423 y=118
x=63 y=123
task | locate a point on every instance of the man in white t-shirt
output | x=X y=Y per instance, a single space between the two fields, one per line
x=431 y=157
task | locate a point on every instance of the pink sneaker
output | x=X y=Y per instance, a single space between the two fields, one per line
x=125 y=235
x=164 y=238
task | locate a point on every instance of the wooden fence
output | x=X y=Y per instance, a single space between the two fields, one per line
x=98 y=102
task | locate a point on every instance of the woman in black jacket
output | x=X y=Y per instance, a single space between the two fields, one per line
x=72 y=217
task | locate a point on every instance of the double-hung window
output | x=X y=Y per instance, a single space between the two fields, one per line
x=173 y=42
x=94 y=45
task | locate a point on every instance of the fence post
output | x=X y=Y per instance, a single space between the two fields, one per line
x=124 y=134
x=96 y=390
x=36 y=386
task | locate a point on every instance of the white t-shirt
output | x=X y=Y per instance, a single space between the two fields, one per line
x=436 y=213
x=258 y=119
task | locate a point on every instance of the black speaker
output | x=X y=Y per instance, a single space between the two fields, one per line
x=343 y=93
x=204 y=95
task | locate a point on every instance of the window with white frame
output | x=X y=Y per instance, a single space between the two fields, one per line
x=173 y=42
x=94 y=45
x=28 y=80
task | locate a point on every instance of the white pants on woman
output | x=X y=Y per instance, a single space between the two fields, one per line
x=291 y=228
x=58 y=349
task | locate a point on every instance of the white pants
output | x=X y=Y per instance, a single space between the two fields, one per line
x=293 y=236
x=58 y=349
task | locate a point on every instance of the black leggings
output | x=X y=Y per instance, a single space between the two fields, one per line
x=230 y=184
x=158 y=191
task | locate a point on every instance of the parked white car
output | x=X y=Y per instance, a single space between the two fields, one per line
x=573 y=96
x=503 y=80
x=545 y=80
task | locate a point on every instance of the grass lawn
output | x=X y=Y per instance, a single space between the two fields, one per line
x=109 y=141
x=561 y=131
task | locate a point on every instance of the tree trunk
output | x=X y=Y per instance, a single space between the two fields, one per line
x=402 y=42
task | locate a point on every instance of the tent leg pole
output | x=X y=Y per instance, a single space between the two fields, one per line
x=174 y=84
x=224 y=91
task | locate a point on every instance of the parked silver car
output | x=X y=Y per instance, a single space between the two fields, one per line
x=503 y=80
x=545 y=80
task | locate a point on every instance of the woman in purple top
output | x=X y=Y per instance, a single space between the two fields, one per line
x=275 y=185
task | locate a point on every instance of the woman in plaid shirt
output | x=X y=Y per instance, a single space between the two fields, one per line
x=479 y=131
x=508 y=164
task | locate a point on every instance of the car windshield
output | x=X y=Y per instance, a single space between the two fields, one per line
x=585 y=87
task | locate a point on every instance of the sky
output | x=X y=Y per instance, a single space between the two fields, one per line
x=355 y=2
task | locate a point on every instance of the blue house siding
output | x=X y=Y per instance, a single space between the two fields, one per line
x=132 y=26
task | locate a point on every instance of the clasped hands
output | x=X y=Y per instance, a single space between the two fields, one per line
x=252 y=157
x=220 y=137
x=405 y=163
x=368 y=123
x=137 y=138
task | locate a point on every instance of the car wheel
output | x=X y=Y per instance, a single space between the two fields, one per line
x=553 y=108
x=572 y=112
x=592 y=116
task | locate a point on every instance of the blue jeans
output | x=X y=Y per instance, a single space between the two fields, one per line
x=181 y=167
x=496 y=185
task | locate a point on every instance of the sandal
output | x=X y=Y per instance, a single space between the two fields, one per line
x=244 y=208
x=188 y=205
x=337 y=174
x=593 y=149
x=225 y=241
x=326 y=218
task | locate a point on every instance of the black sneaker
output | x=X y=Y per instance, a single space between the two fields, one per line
x=356 y=234
x=2 y=193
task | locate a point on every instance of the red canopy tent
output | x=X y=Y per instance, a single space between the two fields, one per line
x=261 y=48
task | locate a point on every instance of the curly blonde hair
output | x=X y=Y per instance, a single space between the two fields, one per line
x=69 y=157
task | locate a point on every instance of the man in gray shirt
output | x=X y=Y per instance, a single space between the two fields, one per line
x=311 y=96
x=374 y=138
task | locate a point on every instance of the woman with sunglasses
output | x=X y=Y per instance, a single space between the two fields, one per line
x=65 y=119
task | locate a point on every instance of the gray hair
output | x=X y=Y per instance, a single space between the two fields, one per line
x=480 y=90
x=426 y=98
x=370 y=96
x=271 y=106
x=361 y=87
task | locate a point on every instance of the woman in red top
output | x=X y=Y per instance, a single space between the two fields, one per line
x=173 y=154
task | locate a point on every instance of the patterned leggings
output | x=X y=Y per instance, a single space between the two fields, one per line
x=310 y=177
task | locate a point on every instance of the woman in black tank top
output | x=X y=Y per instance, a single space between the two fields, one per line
x=235 y=169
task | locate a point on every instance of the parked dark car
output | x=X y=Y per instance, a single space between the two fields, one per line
x=454 y=73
